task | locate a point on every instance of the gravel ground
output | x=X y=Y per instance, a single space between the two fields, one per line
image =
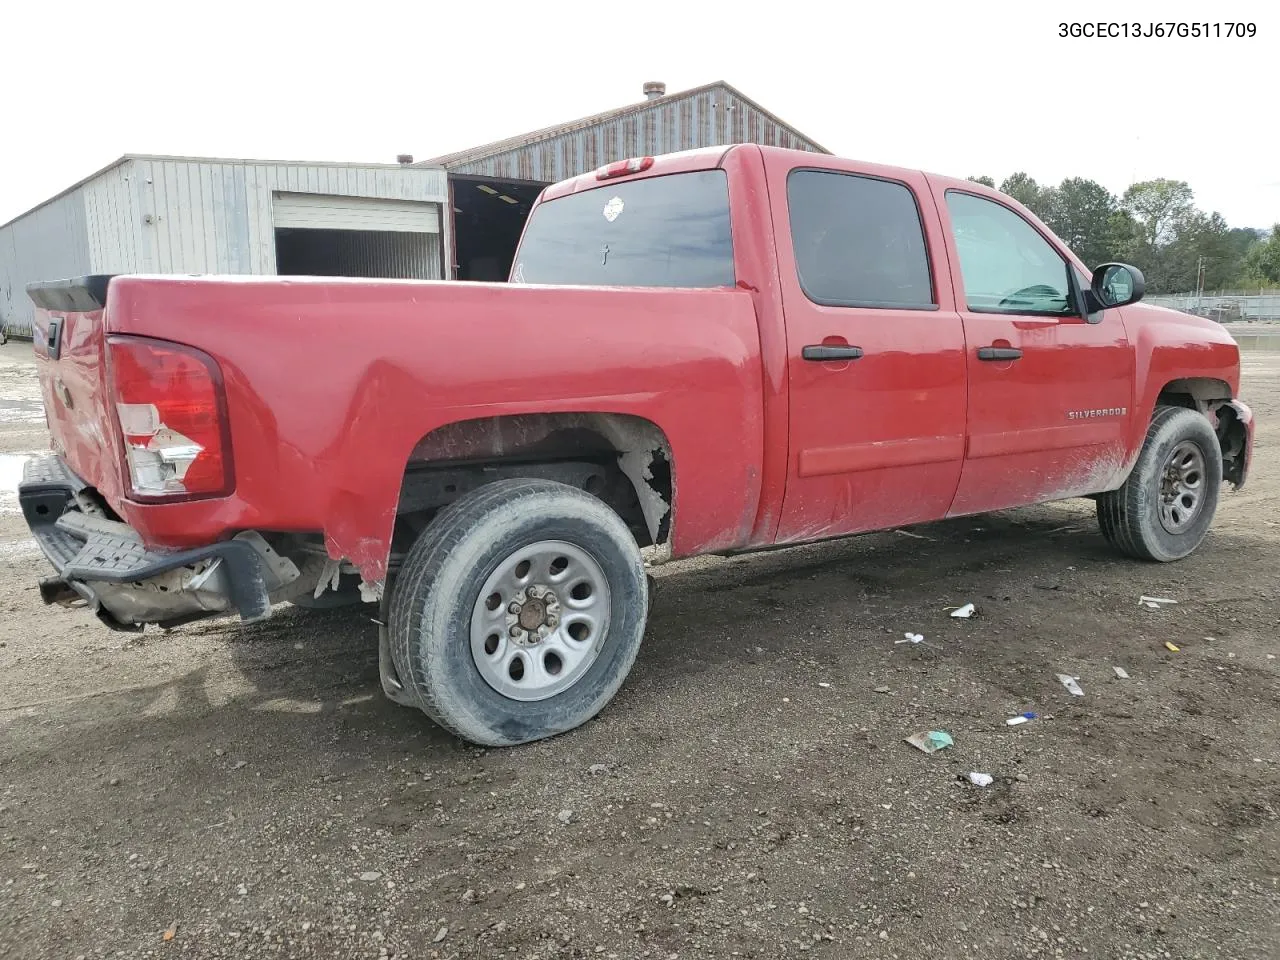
x=227 y=791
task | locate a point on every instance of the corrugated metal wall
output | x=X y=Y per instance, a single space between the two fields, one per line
x=48 y=243
x=170 y=215
x=705 y=119
x=394 y=255
x=391 y=255
x=215 y=216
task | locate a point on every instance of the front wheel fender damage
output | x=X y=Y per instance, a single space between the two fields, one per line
x=1231 y=420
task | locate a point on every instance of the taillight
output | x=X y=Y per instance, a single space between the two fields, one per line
x=173 y=419
x=624 y=168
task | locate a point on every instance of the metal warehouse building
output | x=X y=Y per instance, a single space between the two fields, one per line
x=146 y=214
x=456 y=216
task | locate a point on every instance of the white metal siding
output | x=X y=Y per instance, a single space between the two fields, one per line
x=320 y=211
x=215 y=216
x=47 y=244
x=170 y=215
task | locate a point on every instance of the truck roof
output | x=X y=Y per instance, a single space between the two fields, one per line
x=708 y=158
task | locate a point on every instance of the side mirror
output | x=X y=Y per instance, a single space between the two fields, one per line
x=1115 y=285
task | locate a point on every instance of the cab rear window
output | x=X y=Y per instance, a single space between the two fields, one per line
x=670 y=231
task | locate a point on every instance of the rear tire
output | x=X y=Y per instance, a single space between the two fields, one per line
x=520 y=570
x=1165 y=507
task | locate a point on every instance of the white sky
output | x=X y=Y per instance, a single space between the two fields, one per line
x=962 y=88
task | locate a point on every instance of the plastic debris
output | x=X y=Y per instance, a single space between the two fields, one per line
x=931 y=741
x=965 y=612
x=911 y=638
x=1169 y=645
x=1021 y=718
x=916 y=536
x=1121 y=672
x=980 y=779
x=1069 y=682
x=1154 y=603
x=881 y=689
x=171 y=932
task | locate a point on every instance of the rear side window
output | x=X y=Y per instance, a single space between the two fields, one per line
x=670 y=231
x=858 y=241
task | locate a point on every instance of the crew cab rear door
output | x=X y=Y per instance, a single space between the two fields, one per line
x=875 y=349
x=1049 y=391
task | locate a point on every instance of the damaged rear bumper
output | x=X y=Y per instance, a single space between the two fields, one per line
x=103 y=564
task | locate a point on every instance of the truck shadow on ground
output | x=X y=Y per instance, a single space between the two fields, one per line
x=310 y=677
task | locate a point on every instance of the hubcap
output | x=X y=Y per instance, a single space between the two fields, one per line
x=1181 y=487
x=539 y=620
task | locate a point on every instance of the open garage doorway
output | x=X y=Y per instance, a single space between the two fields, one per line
x=488 y=216
x=330 y=236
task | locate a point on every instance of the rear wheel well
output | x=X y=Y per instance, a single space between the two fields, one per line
x=623 y=460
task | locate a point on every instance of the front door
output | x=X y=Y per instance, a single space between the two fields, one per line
x=875 y=351
x=1049 y=392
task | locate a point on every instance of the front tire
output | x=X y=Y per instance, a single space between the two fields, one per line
x=518 y=612
x=1165 y=507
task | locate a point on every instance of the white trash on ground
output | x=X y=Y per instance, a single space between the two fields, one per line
x=1069 y=682
x=965 y=612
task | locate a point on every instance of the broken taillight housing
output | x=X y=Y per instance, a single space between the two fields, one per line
x=172 y=415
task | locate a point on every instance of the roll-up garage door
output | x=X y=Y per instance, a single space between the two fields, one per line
x=313 y=211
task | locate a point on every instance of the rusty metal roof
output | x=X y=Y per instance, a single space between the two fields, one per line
x=499 y=147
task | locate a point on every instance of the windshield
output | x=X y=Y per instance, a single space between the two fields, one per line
x=670 y=231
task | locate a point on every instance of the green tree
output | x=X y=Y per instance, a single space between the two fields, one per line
x=1080 y=213
x=985 y=181
x=1162 y=207
x=1263 y=260
x=1203 y=242
x=1027 y=192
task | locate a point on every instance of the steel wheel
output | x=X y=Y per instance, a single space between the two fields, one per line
x=537 y=622
x=1181 y=486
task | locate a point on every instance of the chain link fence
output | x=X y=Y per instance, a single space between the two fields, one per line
x=1225 y=306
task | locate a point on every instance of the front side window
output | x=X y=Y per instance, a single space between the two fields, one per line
x=1006 y=265
x=858 y=241
x=670 y=231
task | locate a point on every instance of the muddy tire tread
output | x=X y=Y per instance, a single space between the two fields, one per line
x=1123 y=513
x=448 y=532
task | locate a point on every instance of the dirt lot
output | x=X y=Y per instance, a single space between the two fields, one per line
x=748 y=793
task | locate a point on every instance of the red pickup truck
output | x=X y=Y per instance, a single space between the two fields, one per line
x=710 y=352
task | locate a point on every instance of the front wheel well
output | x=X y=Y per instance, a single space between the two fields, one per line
x=1212 y=397
x=1194 y=393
